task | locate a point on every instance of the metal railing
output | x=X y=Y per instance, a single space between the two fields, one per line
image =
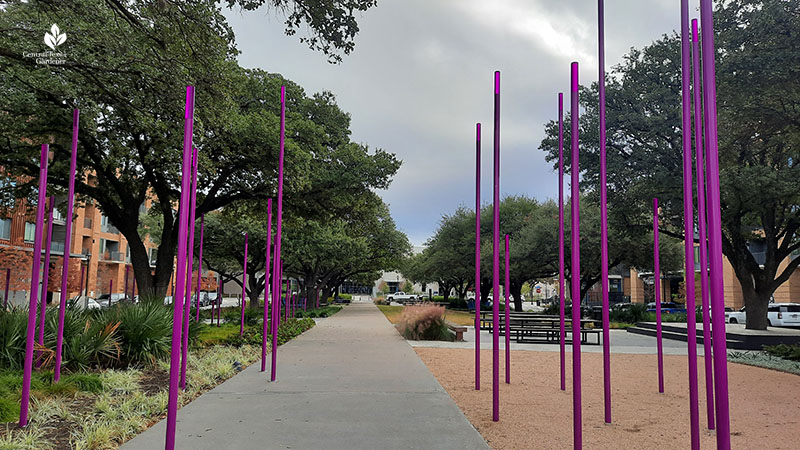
x=114 y=256
x=108 y=228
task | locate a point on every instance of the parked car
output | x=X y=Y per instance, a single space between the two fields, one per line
x=83 y=302
x=400 y=297
x=667 y=307
x=778 y=315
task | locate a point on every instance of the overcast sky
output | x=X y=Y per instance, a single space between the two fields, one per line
x=421 y=76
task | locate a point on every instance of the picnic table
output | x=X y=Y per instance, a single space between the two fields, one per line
x=531 y=327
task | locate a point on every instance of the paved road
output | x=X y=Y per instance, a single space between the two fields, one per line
x=351 y=382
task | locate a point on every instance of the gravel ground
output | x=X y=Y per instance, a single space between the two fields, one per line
x=535 y=413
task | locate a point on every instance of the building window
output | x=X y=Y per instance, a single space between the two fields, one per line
x=153 y=256
x=30 y=231
x=5 y=228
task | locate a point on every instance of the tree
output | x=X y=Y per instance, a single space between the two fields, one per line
x=758 y=117
x=127 y=75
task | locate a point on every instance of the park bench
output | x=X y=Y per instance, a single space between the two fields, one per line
x=459 y=330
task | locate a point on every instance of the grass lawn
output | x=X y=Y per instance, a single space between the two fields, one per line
x=466 y=318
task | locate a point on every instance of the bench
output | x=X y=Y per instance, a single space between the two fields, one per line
x=459 y=330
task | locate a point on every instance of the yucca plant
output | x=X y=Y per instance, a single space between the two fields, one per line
x=13 y=324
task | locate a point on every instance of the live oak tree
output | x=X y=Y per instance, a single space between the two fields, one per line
x=127 y=74
x=759 y=113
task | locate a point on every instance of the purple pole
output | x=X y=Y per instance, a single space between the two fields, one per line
x=219 y=301
x=127 y=270
x=575 y=267
x=200 y=266
x=276 y=282
x=688 y=225
x=657 y=289
x=244 y=286
x=110 y=289
x=265 y=327
x=67 y=245
x=496 y=257
x=133 y=288
x=37 y=255
x=5 y=296
x=477 y=257
x=187 y=304
x=715 y=231
x=701 y=220
x=508 y=336
x=46 y=276
x=180 y=275
x=604 y=210
x=561 y=284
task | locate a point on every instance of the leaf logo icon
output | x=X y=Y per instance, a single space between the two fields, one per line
x=55 y=37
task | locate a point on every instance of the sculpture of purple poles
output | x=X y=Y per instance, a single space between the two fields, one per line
x=32 y=304
x=508 y=333
x=265 y=326
x=496 y=257
x=8 y=281
x=603 y=209
x=200 y=267
x=277 y=271
x=477 y=257
x=575 y=267
x=561 y=285
x=244 y=286
x=67 y=245
x=688 y=225
x=715 y=231
x=701 y=225
x=187 y=304
x=657 y=290
x=180 y=272
x=46 y=275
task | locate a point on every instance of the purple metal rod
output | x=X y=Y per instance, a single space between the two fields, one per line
x=46 y=275
x=688 y=225
x=67 y=245
x=8 y=281
x=265 y=326
x=180 y=272
x=244 y=286
x=496 y=257
x=715 y=230
x=187 y=304
x=127 y=270
x=575 y=266
x=657 y=290
x=199 y=267
x=277 y=270
x=219 y=302
x=508 y=334
x=32 y=304
x=701 y=225
x=477 y=257
x=133 y=288
x=561 y=284
x=601 y=50
x=110 y=290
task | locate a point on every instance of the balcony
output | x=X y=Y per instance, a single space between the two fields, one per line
x=113 y=256
x=108 y=228
x=87 y=223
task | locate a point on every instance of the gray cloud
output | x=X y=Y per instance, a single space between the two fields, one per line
x=421 y=77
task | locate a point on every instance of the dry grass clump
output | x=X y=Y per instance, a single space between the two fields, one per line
x=424 y=322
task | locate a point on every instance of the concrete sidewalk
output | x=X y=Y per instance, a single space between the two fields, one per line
x=351 y=382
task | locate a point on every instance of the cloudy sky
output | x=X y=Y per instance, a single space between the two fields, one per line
x=421 y=76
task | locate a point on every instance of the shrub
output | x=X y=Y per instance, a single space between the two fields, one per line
x=325 y=311
x=145 y=330
x=288 y=330
x=251 y=316
x=380 y=301
x=636 y=312
x=790 y=352
x=424 y=322
x=9 y=409
x=457 y=303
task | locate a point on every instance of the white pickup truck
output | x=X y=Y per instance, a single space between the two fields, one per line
x=778 y=315
x=400 y=297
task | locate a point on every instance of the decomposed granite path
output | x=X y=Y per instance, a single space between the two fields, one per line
x=351 y=382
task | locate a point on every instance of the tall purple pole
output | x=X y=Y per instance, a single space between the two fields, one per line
x=67 y=245
x=200 y=267
x=688 y=225
x=496 y=257
x=127 y=270
x=657 y=290
x=8 y=281
x=32 y=304
x=508 y=334
x=180 y=271
x=46 y=275
x=561 y=284
x=277 y=269
x=575 y=267
x=477 y=257
x=265 y=326
x=701 y=225
x=601 y=50
x=244 y=286
x=715 y=230
x=219 y=302
x=187 y=304
x=110 y=289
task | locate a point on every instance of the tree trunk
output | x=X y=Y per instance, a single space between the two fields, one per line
x=516 y=291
